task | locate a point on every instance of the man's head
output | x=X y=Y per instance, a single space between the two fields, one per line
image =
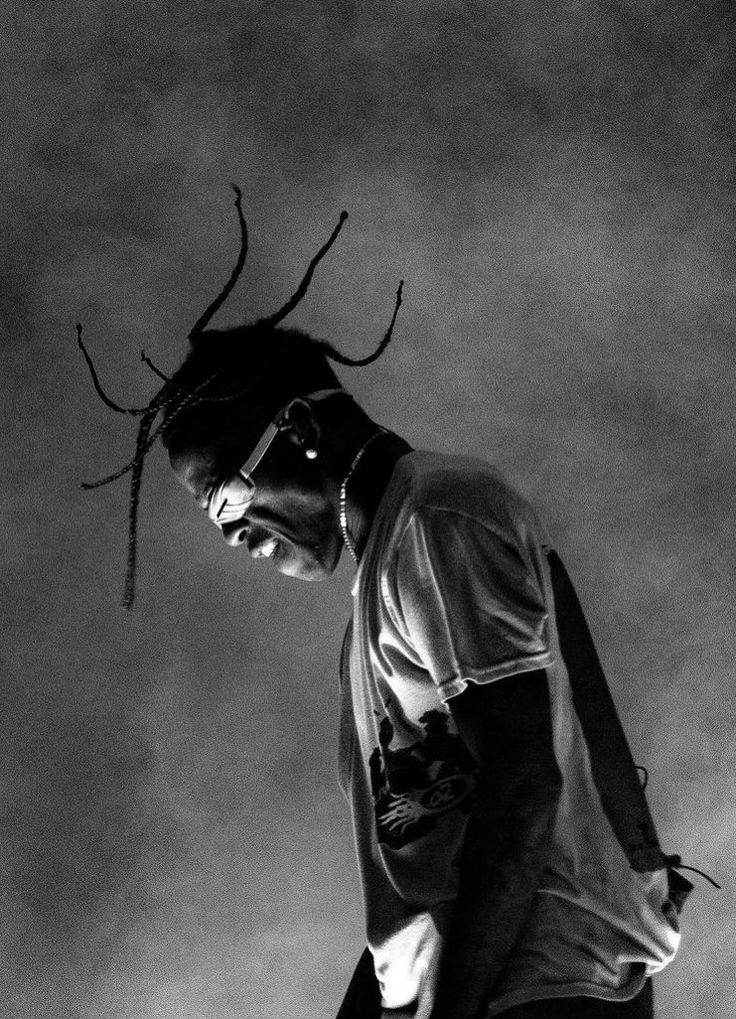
x=291 y=412
x=231 y=384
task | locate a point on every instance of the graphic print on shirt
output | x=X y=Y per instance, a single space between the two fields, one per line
x=414 y=785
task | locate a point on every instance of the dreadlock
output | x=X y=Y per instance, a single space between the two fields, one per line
x=217 y=374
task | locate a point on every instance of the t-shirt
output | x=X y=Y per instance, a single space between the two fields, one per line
x=454 y=587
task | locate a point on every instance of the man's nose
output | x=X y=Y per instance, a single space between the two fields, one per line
x=235 y=533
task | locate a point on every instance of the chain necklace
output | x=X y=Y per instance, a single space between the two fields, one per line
x=343 y=497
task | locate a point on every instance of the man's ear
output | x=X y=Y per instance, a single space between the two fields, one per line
x=301 y=426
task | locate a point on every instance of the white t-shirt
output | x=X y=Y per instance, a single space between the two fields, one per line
x=454 y=586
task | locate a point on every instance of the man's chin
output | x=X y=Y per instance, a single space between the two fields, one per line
x=301 y=573
x=305 y=567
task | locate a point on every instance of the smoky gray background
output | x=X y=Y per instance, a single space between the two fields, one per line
x=555 y=184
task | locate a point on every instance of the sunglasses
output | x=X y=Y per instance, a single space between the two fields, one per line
x=230 y=499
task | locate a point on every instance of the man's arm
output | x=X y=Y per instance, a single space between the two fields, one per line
x=507 y=726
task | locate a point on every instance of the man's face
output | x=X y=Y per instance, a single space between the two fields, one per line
x=292 y=520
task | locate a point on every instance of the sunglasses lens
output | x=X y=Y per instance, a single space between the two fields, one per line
x=230 y=499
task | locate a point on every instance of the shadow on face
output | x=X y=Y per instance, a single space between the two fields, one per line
x=292 y=520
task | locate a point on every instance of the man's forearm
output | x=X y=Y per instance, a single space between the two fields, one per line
x=507 y=726
x=506 y=849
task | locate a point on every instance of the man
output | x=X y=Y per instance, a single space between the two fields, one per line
x=490 y=872
x=508 y=862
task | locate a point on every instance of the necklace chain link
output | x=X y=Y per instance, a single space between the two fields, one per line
x=344 y=494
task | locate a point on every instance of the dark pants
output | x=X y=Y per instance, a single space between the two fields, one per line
x=363 y=998
x=363 y=1001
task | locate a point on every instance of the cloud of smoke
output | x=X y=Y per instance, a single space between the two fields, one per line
x=554 y=182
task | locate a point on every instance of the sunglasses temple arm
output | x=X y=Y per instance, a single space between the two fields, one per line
x=259 y=452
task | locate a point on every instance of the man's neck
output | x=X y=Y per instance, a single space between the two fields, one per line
x=368 y=482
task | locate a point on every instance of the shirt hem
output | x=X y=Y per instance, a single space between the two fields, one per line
x=573 y=990
x=452 y=687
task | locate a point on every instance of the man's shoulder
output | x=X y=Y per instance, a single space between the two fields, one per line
x=458 y=484
x=447 y=500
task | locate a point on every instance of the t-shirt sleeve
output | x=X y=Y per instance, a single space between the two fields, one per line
x=469 y=600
